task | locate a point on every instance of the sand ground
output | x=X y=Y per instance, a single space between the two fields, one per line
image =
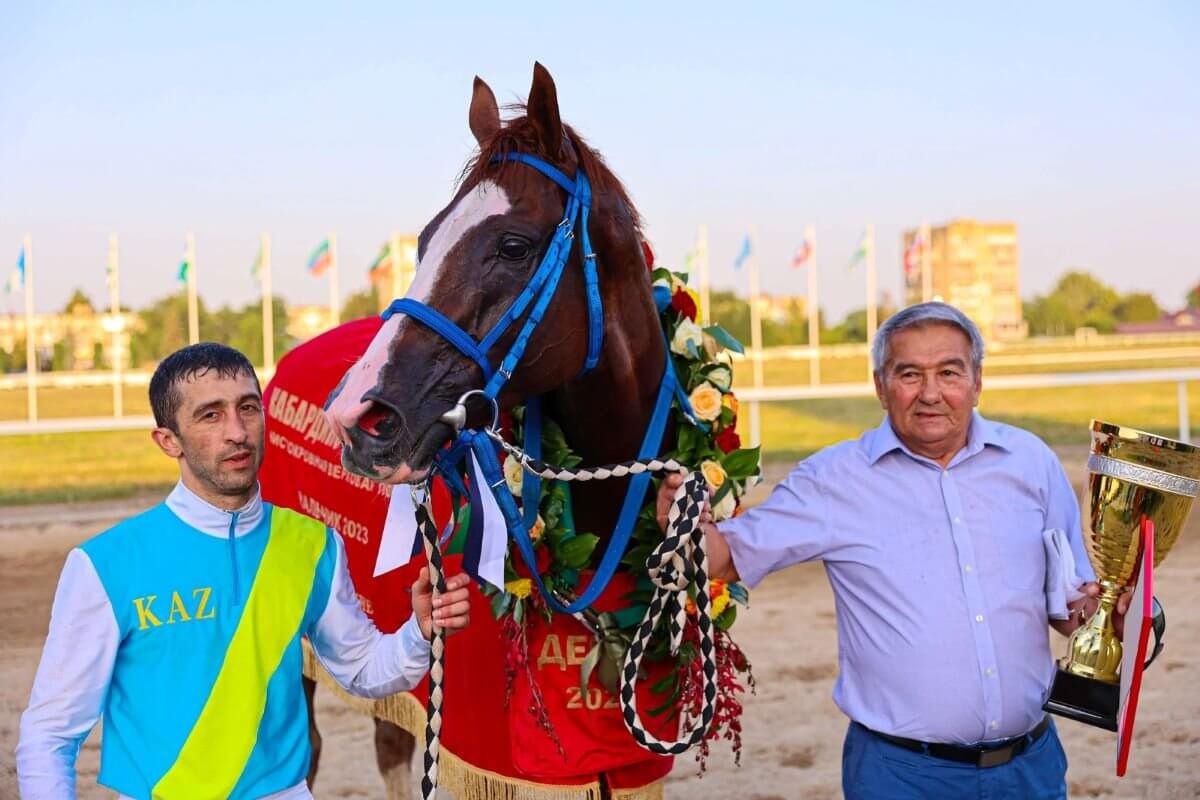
x=793 y=731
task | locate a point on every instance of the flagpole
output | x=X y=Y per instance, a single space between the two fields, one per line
x=926 y=271
x=814 y=309
x=334 y=311
x=394 y=250
x=192 y=301
x=872 y=311
x=31 y=366
x=755 y=338
x=268 y=304
x=114 y=301
x=702 y=257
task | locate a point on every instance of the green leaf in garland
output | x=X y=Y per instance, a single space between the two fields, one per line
x=727 y=618
x=501 y=603
x=576 y=552
x=740 y=464
x=724 y=338
x=518 y=611
x=725 y=489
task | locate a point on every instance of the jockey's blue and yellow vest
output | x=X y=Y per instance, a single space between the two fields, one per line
x=205 y=699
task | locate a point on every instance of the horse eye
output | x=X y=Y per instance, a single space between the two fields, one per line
x=513 y=249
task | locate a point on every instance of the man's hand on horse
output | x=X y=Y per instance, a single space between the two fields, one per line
x=666 y=497
x=450 y=610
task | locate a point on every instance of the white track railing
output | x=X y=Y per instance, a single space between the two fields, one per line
x=751 y=396
x=829 y=391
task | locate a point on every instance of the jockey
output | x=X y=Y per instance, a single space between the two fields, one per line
x=181 y=626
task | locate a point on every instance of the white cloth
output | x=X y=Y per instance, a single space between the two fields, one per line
x=81 y=647
x=1062 y=582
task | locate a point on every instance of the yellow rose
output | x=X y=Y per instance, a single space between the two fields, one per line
x=514 y=475
x=539 y=527
x=706 y=401
x=714 y=473
x=520 y=587
x=730 y=402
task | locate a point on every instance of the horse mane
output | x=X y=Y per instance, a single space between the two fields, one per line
x=518 y=135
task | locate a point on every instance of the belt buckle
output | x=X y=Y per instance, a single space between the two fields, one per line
x=997 y=757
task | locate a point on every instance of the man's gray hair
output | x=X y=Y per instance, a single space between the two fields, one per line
x=918 y=316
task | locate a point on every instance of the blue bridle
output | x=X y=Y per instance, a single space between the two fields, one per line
x=539 y=291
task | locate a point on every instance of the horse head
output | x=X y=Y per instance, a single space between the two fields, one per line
x=474 y=258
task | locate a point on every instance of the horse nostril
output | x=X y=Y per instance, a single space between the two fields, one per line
x=380 y=421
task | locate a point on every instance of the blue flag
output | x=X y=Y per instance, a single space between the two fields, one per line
x=16 y=280
x=743 y=254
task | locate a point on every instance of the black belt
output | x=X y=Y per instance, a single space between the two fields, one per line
x=984 y=755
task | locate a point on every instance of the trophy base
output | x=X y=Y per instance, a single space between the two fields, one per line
x=1084 y=700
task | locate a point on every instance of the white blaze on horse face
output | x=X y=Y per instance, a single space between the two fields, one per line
x=484 y=201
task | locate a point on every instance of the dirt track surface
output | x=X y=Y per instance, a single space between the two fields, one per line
x=793 y=730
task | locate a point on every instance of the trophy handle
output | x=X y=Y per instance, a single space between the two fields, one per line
x=1158 y=624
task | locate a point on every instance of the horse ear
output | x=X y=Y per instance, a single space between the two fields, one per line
x=543 y=111
x=484 y=117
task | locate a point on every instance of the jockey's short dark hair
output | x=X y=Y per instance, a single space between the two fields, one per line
x=187 y=363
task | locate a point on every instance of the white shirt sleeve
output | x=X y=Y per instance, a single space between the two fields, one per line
x=364 y=661
x=71 y=682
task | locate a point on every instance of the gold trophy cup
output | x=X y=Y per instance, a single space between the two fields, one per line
x=1135 y=476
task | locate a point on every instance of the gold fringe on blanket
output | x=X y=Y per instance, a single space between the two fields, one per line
x=466 y=781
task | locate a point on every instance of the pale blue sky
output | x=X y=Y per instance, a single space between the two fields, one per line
x=1078 y=121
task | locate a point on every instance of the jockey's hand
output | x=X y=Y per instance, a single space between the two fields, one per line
x=666 y=497
x=450 y=610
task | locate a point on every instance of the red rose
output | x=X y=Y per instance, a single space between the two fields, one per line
x=648 y=254
x=682 y=302
x=728 y=440
x=543 y=562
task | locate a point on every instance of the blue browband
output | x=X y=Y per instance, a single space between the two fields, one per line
x=540 y=291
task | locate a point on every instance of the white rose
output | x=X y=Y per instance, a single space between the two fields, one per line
x=687 y=331
x=514 y=476
x=725 y=508
x=720 y=376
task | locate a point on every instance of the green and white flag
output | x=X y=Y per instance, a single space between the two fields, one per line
x=256 y=267
x=860 y=253
x=184 y=268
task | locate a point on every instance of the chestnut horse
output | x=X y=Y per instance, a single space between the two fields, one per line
x=475 y=256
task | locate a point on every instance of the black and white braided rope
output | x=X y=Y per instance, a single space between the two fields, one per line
x=678 y=563
x=550 y=472
x=437 y=649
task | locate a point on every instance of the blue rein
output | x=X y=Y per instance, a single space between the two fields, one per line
x=539 y=291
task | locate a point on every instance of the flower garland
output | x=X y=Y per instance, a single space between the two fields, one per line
x=713 y=445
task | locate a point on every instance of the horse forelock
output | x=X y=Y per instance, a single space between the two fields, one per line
x=518 y=135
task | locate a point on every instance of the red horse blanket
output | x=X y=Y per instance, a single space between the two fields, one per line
x=488 y=745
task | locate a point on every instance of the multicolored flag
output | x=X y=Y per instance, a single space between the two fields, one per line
x=743 y=254
x=803 y=253
x=860 y=253
x=16 y=279
x=381 y=262
x=256 y=267
x=912 y=254
x=320 y=258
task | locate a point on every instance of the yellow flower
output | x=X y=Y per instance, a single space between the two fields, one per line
x=514 y=476
x=520 y=587
x=730 y=402
x=720 y=597
x=539 y=527
x=706 y=401
x=714 y=473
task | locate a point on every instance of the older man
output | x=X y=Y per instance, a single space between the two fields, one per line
x=931 y=530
